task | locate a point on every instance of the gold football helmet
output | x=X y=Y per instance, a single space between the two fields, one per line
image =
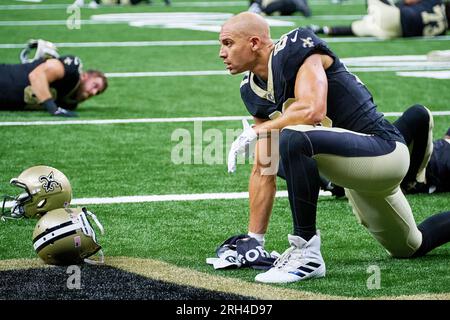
x=44 y=49
x=46 y=188
x=65 y=236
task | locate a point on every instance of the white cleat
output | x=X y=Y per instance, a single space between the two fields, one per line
x=301 y=261
x=93 y=5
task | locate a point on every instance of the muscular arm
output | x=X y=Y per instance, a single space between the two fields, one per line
x=311 y=89
x=262 y=185
x=44 y=74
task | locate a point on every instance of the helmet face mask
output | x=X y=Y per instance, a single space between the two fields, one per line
x=45 y=188
x=42 y=49
x=65 y=236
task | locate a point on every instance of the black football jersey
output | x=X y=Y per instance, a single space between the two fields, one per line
x=15 y=89
x=438 y=169
x=425 y=18
x=349 y=103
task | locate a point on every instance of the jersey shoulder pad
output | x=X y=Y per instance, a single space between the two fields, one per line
x=293 y=48
x=72 y=64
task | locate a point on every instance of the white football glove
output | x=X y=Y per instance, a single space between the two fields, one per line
x=240 y=144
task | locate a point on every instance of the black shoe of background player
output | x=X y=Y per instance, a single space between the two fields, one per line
x=167 y=2
x=416 y=187
x=336 y=191
x=303 y=7
x=315 y=28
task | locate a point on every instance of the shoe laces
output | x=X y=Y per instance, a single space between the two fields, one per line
x=285 y=259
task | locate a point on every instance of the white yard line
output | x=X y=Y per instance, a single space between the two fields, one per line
x=168 y=43
x=401 y=68
x=118 y=121
x=224 y=73
x=434 y=113
x=22 y=23
x=169 y=197
x=166 y=74
x=157 y=120
x=122 y=44
x=200 y=4
x=33 y=1
x=445 y=74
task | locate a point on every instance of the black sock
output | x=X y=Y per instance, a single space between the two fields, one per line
x=339 y=31
x=303 y=181
x=414 y=126
x=435 y=232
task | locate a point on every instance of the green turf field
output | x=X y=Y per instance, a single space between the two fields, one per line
x=134 y=159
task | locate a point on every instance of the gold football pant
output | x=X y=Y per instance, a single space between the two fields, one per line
x=382 y=21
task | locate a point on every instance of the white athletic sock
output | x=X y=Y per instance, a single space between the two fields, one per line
x=258 y=236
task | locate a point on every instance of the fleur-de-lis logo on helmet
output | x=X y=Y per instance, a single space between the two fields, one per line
x=48 y=183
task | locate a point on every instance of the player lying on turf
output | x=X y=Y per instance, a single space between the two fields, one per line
x=429 y=168
x=49 y=82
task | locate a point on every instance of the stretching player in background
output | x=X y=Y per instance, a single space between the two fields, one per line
x=280 y=7
x=429 y=168
x=385 y=20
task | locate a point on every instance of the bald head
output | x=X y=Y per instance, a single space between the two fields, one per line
x=246 y=44
x=248 y=24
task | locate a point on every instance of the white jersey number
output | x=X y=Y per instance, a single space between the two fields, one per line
x=280 y=45
x=435 y=23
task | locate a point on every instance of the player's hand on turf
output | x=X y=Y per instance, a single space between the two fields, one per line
x=64 y=113
x=54 y=110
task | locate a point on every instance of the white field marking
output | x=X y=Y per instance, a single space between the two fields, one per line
x=122 y=44
x=198 y=4
x=49 y=23
x=434 y=113
x=169 y=197
x=426 y=74
x=34 y=1
x=347 y=17
x=222 y=72
x=208 y=21
x=399 y=68
x=373 y=39
x=202 y=21
x=163 y=17
x=174 y=4
x=386 y=63
x=174 y=43
x=120 y=121
x=355 y=64
x=394 y=63
x=166 y=74
x=386 y=58
x=158 y=120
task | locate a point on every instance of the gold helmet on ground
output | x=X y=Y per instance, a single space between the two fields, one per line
x=65 y=236
x=43 y=49
x=46 y=188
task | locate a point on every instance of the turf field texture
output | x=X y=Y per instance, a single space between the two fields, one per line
x=136 y=159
